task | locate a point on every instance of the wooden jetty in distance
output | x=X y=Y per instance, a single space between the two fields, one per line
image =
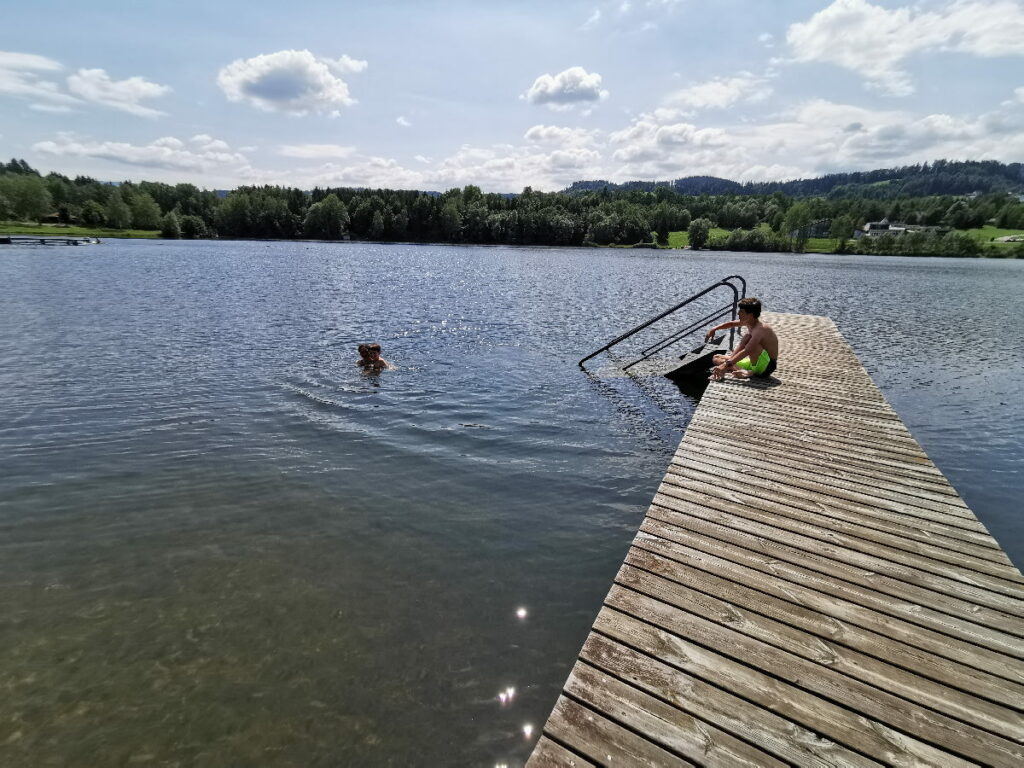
x=47 y=240
x=806 y=589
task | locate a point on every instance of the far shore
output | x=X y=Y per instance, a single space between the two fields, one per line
x=677 y=240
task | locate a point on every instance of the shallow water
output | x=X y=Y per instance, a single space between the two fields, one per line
x=224 y=545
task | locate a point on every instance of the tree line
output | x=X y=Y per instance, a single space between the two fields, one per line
x=605 y=216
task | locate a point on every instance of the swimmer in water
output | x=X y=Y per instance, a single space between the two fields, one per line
x=370 y=359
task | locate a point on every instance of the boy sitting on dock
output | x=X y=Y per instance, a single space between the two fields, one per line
x=758 y=350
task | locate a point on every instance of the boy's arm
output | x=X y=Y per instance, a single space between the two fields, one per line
x=722 y=327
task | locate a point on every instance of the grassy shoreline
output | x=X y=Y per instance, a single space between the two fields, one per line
x=60 y=230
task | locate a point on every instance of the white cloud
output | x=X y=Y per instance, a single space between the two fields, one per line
x=403 y=121
x=874 y=41
x=95 y=86
x=293 y=82
x=767 y=39
x=316 y=151
x=1019 y=93
x=167 y=152
x=20 y=76
x=593 y=20
x=566 y=89
x=52 y=108
x=554 y=134
x=207 y=143
x=721 y=92
x=815 y=137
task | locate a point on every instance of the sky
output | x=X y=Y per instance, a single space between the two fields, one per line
x=434 y=95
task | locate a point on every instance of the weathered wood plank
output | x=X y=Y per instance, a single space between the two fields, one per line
x=874 y=483
x=835 y=656
x=746 y=549
x=838 y=723
x=882 y=707
x=696 y=740
x=549 y=754
x=776 y=735
x=602 y=741
x=837 y=525
x=841 y=617
x=928 y=525
x=830 y=626
x=951 y=592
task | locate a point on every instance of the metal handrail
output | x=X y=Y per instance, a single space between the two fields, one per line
x=737 y=294
x=672 y=338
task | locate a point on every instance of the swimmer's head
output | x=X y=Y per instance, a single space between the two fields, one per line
x=364 y=350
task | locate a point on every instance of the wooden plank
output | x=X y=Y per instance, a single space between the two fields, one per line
x=933 y=525
x=831 y=499
x=834 y=421
x=776 y=735
x=602 y=741
x=839 y=526
x=875 y=483
x=882 y=707
x=770 y=425
x=840 y=724
x=741 y=547
x=915 y=475
x=950 y=593
x=671 y=728
x=830 y=625
x=837 y=657
x=550 y=754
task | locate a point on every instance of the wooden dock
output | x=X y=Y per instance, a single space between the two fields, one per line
x=806 y=589
x=47 y=240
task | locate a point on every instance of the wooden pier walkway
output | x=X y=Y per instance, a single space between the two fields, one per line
x=47 y=240
x=806 y=589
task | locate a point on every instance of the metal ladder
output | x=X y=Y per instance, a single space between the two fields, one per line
x=734 y=283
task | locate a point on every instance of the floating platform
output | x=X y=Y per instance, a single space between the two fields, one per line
x=46 y=240
x=806 y=589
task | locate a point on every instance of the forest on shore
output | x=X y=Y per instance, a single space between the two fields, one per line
x=587 y=213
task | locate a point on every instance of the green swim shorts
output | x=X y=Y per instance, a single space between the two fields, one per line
x=762 y=366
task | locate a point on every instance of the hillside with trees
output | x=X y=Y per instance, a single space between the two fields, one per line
x=771 y=219
x=943 y=177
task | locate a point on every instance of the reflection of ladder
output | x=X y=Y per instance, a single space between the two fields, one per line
x=696 y=360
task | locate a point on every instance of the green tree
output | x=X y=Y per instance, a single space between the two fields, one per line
x=699 y=231
x=93 y=214
x=6 y=210
x=192 y=227
x=27 y=194
x=842 y=230
x=376 y=226
x=145 y=211
x=234 y=216
x=119 y=215
x=169 y=227
x=326 y=220
x=451 y=223
x=796 y=225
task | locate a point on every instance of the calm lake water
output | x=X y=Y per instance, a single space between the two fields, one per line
x=224 y=545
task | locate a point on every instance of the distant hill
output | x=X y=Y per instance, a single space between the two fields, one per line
x=942 y=177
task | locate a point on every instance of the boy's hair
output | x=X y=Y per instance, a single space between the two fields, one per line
x=374 y=347
x=751 y=305
x=364 y=349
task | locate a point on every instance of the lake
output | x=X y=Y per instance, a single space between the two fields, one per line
x=225 y=545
